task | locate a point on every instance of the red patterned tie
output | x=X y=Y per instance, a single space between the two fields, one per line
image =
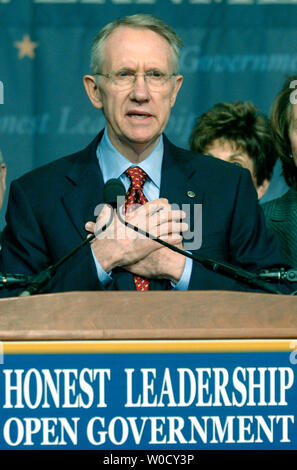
x=135 y=196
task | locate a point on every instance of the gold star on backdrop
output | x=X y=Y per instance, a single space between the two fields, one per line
x=26 y=47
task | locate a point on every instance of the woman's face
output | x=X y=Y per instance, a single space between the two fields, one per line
x=293 y=132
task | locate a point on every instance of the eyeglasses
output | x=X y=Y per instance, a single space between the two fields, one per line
x=126 y=78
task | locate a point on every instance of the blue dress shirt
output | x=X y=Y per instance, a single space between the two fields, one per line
x=114 y=165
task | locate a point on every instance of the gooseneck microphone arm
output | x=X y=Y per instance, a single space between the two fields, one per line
x=41 y=279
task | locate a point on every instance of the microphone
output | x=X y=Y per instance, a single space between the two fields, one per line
x=115 y=188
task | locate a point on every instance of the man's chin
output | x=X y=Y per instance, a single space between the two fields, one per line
x=142 y=136
x=143 y=143
x=140 y=143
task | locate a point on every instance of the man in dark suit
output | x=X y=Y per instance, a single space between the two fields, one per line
x=135 y=82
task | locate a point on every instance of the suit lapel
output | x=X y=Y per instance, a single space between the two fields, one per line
x=178 y=175
x=85 y=187
x=179 y=180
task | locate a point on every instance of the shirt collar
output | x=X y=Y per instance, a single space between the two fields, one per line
x=113 y=164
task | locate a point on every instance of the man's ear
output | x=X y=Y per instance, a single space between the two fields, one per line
x=261 y=190
x=177 y=86
x=92 y=91
x=3 y=175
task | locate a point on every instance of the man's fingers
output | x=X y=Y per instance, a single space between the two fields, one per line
x=105 y=217
x=166 y=217
x=155 y=213
x=155 y=217
x=171 y=228
x=147 y=209
x=90 y=227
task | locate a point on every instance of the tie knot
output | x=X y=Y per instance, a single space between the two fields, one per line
x=137 y=176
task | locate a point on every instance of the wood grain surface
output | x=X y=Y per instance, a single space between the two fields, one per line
x=148 y=315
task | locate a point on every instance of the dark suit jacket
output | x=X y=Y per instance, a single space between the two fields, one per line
x=48 y=209
x=281 y=216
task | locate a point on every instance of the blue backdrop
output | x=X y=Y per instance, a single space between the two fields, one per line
x=235 y=49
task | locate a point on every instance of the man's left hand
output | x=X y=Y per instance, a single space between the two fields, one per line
x=160 y=264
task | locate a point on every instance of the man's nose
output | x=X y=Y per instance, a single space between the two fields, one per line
x=140 y=90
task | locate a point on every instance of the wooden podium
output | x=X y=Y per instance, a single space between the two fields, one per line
x=162 y=371
x=148 y=315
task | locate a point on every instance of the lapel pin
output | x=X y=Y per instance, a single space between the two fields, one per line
x=191 y=194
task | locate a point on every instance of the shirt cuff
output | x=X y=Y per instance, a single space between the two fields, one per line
x=184 y=281
x=104 y=277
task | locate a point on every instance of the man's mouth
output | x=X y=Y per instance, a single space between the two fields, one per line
x=137 y=115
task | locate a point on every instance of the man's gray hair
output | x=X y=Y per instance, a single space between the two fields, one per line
x=138 y=21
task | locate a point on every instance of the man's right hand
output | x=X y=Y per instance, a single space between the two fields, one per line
x=119 y=245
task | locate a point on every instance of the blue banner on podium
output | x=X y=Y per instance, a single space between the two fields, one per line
x=149 y=395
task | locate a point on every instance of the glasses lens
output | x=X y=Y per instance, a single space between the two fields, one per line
x=154 y=80
x=124 y=78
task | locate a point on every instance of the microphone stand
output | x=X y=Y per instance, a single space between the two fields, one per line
x=41 y=279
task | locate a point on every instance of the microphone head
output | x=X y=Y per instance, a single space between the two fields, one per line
x=113 y=189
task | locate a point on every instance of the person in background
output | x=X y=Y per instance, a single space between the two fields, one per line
x=237 y=133
x=281 y=213
x=2 y=179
